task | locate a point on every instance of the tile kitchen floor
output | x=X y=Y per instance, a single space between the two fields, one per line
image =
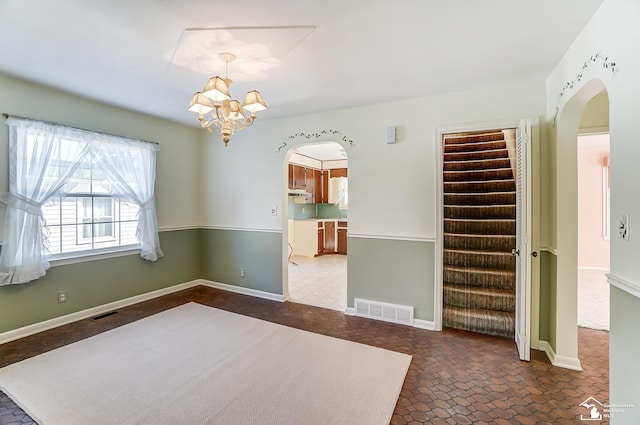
x=320 y=281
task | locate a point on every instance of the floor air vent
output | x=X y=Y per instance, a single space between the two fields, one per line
x=382 y=311
x=102 y=316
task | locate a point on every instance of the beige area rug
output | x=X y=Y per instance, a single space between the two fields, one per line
x=200 y=365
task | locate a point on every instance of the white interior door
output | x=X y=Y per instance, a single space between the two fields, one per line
x=522 y=250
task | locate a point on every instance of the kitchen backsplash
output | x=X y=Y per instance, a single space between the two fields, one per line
x=298 y=211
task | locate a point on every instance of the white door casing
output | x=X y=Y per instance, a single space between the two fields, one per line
x=522 y=251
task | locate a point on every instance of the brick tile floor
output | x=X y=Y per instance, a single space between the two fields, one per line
x=455 y=377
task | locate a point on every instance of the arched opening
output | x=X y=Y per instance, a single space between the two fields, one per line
x=593 y=214
x=564 y=314
x=316 y=214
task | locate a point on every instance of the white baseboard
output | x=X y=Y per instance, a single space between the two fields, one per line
x=244 y=291
x=559 y=361
x=350 y=311
x=594 y=268
x=35 y=328
x=424 y=324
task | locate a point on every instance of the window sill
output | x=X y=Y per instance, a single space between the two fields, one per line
x=65 y=259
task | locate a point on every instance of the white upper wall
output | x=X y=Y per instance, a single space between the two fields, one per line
x=613 y=32
x=178 y=160
x=392 y=187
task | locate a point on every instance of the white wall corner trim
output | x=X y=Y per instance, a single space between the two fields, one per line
x=35 y=328
x=549 y=249
x=624 y=285
x=559 y=361
x=244 y=291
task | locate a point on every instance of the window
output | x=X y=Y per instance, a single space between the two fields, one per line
x=75 y=192
x=82 y=222
x=86 y=218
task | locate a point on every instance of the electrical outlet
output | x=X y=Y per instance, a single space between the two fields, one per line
x=623 y=226
x=62 y=297
x=241 y=272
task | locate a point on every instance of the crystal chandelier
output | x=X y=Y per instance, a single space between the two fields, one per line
x=216 y=108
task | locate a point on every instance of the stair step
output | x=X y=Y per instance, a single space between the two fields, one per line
x=479 y=259
x=476 y=155
x=502 y=243
x=451 y=139
x=479 y=298
x=474 y=146
x=485 y=278
x=481 y=164
x=480 y=211
x=489 y=322
x=487 y=186
x=492 y=198
x=476 y=175
x=480 y=226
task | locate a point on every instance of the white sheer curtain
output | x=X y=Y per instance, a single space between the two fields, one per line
x=35 y=155
x=130 y=167
x=42 y=159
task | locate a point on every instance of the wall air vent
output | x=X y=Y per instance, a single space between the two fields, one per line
x=383 y=311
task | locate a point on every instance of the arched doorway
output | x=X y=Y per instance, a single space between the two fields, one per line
x=316 y=214
x=564 y=221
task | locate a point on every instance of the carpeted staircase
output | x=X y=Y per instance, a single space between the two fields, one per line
x=479 y=233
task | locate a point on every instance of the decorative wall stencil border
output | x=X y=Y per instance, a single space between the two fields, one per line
x=624 y=285
x=607 y=64
x=316 y=135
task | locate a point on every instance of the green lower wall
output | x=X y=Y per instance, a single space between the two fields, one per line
x=259 y=254
x=548 y=266
x=624 y=367
x=93 y=283
x=392 y=271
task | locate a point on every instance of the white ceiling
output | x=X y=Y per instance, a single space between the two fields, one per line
x=327 y=151
x=128 y=52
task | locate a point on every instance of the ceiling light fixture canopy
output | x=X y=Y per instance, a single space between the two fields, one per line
x=216 y=108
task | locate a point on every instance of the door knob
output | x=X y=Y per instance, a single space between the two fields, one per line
x=515 y=251
x=534 y=253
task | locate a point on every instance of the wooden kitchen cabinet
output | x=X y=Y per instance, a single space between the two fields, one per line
x=290 y=176
x=309 y=182
x=329 y=237
x=317 y=187
x=324 y=187
x=338 y=172
x=320 y=241
x=342 y=237
x=299 y=177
